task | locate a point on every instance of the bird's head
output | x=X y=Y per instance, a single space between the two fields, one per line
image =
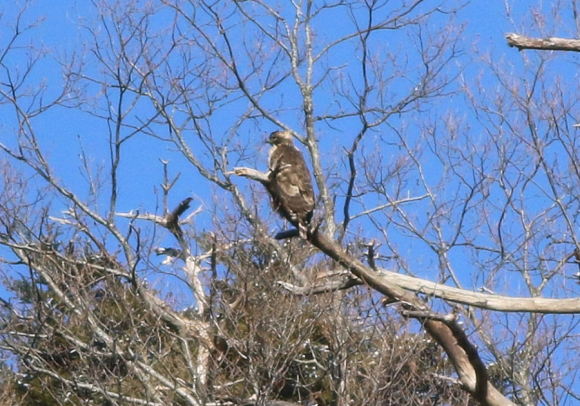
x=280 y=137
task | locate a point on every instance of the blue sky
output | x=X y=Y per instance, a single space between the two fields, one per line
x=66 y=132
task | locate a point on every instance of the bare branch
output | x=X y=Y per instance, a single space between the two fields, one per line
x=545 y=44
x=330 y=286
x=467 y=364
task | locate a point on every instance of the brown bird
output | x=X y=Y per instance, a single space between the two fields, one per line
x=290 y=181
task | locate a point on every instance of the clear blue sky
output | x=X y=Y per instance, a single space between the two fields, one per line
x=63 y=132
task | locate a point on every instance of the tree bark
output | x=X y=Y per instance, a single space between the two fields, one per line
x=546 y=44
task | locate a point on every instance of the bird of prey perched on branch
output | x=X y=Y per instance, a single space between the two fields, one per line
x=290 y=181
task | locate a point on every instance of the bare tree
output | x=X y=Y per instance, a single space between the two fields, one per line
x=438 y=266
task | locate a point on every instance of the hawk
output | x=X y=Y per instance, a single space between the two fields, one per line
x=290 y=181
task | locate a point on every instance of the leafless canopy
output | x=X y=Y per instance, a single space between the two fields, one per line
x=141 y=260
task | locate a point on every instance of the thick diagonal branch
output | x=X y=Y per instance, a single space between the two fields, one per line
x=468 y=365
x=413 y=284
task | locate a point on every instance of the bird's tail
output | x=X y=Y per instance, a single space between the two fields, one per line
x=303 y=230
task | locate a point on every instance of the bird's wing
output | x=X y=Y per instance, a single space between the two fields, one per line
x=294 y=185
x=289 y=183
